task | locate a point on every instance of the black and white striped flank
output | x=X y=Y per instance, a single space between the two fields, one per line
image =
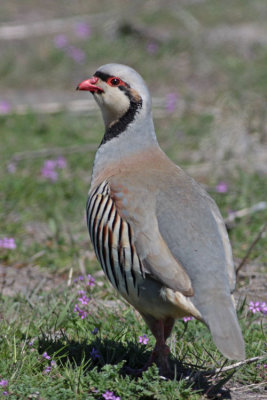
x=112 y=238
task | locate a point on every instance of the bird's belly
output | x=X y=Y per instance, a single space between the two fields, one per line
x=151 y=300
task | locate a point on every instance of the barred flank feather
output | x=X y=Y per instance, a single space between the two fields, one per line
x=112 y=238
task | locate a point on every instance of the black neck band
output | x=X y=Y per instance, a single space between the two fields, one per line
x=118 y=127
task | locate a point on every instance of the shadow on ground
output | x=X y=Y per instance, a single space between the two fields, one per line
x=101 y=352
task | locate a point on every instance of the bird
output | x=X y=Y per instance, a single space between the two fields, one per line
x=158 y=235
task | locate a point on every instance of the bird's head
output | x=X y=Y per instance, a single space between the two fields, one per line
x=120 y=92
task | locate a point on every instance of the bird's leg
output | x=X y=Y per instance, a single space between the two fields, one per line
x=160 y=354
x=168 y=325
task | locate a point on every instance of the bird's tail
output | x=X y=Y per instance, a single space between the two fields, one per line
x=224 y=327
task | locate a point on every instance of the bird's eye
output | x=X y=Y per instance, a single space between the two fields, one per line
x=115 y=82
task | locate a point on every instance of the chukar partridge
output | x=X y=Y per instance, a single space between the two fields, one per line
x=157 y=234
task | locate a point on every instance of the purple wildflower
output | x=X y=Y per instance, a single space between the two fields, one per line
x=61 y=162
x=60 y=41
x=94 y=354
x=260 y=366
x=46 y=356
x=222 y=187
x=91 y=281
x=143 y=339
x=95 y=331
x=76 y=308
x=82 y=30
x=8 y=243
x=4 y=382
x=50 y=174
x=263 y=308
x=231 y=214
x=53 y=363
x=50 y=164
x=48 y=170
x=80 y=278
x=81 y=292
x=47 y=369
x=152 y=47
x=31 y=343
x=186 y=319
x=110 y=396
x=5 y=107
x=84 y=300
x=5 y=393
x=82 y=313
x=76 y=54
x=11 y=168
x=254 y=307
x=171 y=102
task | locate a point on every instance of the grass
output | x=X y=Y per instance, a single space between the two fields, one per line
x=47 y=221
x=49 y=322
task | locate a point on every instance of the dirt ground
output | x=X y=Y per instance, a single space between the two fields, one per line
x=28 y=279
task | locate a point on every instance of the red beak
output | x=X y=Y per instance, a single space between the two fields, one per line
x=90 y=85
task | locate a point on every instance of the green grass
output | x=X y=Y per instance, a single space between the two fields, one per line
x=50 y=323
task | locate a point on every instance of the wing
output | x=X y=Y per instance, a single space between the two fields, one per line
x=120 y=249
x=156 y=257
x=191 y=225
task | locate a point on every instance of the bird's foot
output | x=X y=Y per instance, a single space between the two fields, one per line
x=139 y=371
x=159 y=356
x=136 y=371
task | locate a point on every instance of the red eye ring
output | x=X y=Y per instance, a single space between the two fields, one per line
x=114 y=81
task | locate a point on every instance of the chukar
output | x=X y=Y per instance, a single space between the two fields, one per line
x=157 y=234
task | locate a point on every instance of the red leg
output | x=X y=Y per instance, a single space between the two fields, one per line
x=161 y=330
x=168 y=325
x=160 y=354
